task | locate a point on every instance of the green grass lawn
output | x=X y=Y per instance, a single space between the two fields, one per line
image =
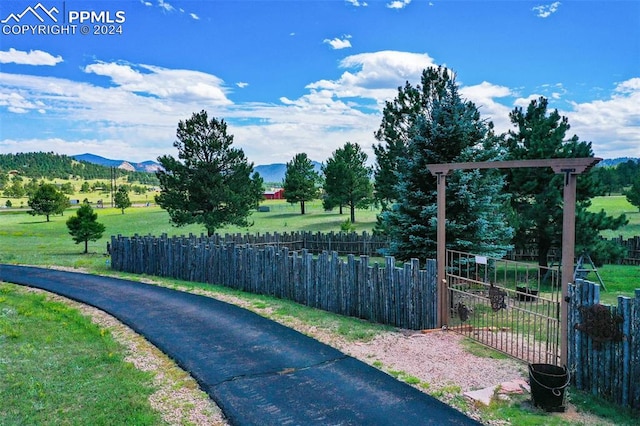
x=615 y=205
x=57 y=367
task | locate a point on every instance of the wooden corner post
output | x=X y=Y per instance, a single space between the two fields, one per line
x=441 y=251
x=571 y=172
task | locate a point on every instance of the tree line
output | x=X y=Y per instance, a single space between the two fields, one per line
x=488 y=211
x=38 y=165
x=17 y=187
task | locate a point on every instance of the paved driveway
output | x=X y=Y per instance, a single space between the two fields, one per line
x=258 y=371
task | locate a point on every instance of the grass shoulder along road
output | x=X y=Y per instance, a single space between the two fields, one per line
x=59 y=368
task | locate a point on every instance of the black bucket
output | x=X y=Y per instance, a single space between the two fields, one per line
x=548 y=383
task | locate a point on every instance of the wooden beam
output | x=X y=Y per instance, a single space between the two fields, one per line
x=558 y=165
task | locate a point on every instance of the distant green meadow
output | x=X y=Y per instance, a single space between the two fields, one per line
x=31 y=240
x=616 y=205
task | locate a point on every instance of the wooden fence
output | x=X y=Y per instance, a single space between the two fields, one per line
x=632 y=245
x=530 y=253
x=402 y=297
x=342 y=243
x=604 y=345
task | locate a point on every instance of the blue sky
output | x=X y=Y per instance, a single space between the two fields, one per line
x=303 y=76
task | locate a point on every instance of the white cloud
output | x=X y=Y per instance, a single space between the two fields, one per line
x=143 y=104
x=162 y=82
x=628 y=87
x=613 y=125
x=242 y=84
x=165 y=6
x=524 y=102
x=398 y=4
x=376 y=75
x=357 y=3
x=484 y=96
x=32 y=57
x=339 y=43
x=544 y=11
x=17 y=103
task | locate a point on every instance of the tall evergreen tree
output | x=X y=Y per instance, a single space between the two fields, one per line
x=628 y=171
x=301 y=181
x=537 y=192
x=347 y=180
x=211 y=183
x=398 y=118
x=446 y=129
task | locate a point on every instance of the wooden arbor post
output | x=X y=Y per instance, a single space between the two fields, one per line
x=571 y=168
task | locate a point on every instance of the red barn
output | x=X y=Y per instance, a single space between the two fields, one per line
x=276 y=194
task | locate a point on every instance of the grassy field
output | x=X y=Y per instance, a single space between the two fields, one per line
x=32 y=240
x=616 y=205
x=59 y=368
x=92 y=196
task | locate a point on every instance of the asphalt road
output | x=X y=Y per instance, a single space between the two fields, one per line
x=257 y=371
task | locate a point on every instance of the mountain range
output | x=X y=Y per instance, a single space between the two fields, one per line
x=272 y=173
x=146 y=166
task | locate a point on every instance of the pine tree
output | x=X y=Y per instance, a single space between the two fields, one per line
x=84 y=226
x=301 y=181
x=211 y=183
x=398 y=118
x=537 y=192
x=445 y=130
x=633 y=194
x=347 y=180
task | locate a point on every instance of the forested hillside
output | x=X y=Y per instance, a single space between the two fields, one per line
x=54 y=166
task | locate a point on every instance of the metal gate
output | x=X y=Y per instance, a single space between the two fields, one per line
x=513 y=307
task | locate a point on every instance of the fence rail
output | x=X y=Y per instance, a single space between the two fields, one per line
x=604 y=345
x=631 y=257
x=315 y=242
x=403 y=297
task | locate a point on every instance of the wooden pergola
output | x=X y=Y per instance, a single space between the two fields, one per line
x=571 y=168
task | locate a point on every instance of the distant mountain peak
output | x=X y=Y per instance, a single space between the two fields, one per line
x=146 y=166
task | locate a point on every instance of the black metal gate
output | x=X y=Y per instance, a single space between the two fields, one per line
x=513 y=307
